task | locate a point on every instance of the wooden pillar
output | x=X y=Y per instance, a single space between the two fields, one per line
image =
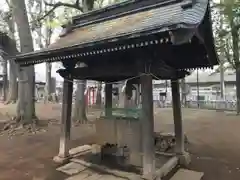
x=147 y=121
x=65 y=121
x=177 y=116
x=108 y=99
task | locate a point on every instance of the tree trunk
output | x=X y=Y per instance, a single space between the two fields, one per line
x=222 y=83
x=80 y=103
x=235 y=41
x=122 y=96
x=99 y=95
x=13 y=87
x=13 y=72
x=5 y=79
x=26 y=75
x=48 y=92
x=183 y=92
x=79 y=114
x=48 y=85
x=21 y=97
x=238 y=89
x=221 y=65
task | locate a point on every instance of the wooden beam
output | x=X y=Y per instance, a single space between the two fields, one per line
x=100 y=71
x=177 y=116
x=65 y=121
x=117 y=72
x=147 y=121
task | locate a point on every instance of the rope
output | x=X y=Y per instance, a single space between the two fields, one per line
x=115 y=82
x=127 y=79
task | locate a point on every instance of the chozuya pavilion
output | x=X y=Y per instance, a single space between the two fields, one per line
x=145 y=39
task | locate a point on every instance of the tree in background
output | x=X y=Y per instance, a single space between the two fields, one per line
x=10 y=50
x=43 y=28
x=227 y=38
x=39 y=18
x=26 y=87
x=183 y=92
x=79 y=113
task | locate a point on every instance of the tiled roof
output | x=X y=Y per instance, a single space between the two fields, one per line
x=180 y=14
x=159 y=19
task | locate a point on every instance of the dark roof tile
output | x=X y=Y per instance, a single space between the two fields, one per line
x=154 y=20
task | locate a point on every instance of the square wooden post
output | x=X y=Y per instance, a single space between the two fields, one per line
x=178 y=124
x=108 y=99
x=147 y=121
x=65 y=121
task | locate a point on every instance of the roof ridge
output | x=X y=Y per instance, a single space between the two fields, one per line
x=116 y=11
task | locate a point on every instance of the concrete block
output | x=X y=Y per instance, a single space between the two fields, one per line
x=184 y=159
x=184 y=174
x=61 y=160
x=82 y=175
x=80 y=149
x=72 y=168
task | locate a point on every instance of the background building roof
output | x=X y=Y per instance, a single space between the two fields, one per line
x=211 y=78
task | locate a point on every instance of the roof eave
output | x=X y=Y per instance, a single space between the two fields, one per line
x=155 y=30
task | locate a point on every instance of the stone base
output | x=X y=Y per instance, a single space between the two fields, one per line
x=61 y=160
x=164 y=170
x=184 y=159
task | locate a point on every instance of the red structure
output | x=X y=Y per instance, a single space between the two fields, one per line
x=91 y=93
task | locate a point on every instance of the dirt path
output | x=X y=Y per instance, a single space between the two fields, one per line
x=214 y=144
x=214 y=141
x=30 y=157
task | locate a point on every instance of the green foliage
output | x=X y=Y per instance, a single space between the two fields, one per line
x=52 y=23
x=226 y=23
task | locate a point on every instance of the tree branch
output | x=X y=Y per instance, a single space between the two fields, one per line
x=228 y=56
x=237 y=26
x=77 y=2
x=8 y=3
x=57 y=5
